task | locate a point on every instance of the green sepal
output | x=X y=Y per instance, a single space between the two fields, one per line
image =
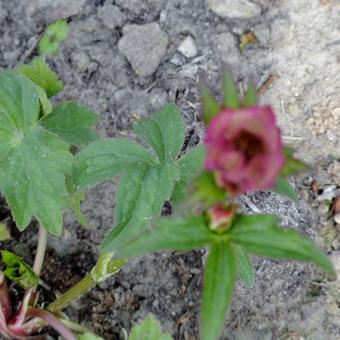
x=292 y=165
x=283 y=187
x=210 y=106
x=250 y=97
x=230 y=93
x=206 y=190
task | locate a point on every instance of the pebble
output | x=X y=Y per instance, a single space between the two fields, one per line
x=55 y=9
x=234 y=9
x=144 y=46
x=226 y=46
x=337 y=218
x=111 y=16
x=188 y=47
x=138 y=6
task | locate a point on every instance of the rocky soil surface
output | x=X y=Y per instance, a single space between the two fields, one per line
x=126 y=59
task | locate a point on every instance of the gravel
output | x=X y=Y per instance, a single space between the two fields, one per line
x=144 y=46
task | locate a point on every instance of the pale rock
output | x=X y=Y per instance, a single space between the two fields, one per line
x=188 y=47
x=144 y=46
x=111 y=16
x=234 y=9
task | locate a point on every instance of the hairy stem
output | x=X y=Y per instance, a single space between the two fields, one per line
x=74 y=293
x=52 y=321
x=104 y=268
x=41 y=250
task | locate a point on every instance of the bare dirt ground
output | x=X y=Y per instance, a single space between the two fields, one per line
x=127 y=58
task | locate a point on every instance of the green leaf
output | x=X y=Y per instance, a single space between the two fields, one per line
x=210 y=105
x=163 y=131
x=54 y=35
x=141 y=195
x=106 y=158
x=45 y=103
x=4 y=233
x=181 y=234
x=244 y=265
x=149 y=329
x=89 y=336
x=19 y=271
x=73 y=123
x=34 y=162
x=218 y=286
x=38 y=72
x=189 y=165
x=250 y=97
x=260 y=235
x=207 y=191
x=292 y=165
x=230 y=93
x=284 y=188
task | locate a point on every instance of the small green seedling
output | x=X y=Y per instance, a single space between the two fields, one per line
x=54 y=35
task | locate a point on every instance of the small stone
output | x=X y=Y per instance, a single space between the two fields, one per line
x=177 y=59
x=226 y=47
x=144 y=46
x=54 y=10
x=234 y=9
x=111 y=16
x=138 y=6
x=188 y=47
x=337 y=218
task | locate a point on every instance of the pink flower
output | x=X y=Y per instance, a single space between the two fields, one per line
x=244 y=149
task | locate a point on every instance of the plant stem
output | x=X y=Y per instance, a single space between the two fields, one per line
x=74 y=293
x=41 y=250
x=52 y=321
x=104 y=268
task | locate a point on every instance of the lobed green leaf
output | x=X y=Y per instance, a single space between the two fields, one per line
x=73 y=123
x=189 y=165
x=141 y=195
x=106 y=158
x=163 y=131
x=34 y=162
x=38 y=72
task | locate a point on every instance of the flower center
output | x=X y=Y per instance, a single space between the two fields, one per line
x=249 y=145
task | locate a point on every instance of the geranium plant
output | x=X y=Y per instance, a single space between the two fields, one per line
x=50 y=156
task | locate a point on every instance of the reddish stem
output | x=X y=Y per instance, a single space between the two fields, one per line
x=52 y=321
x=5 y=300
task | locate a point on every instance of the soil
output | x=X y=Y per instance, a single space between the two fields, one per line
x=294 y=59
